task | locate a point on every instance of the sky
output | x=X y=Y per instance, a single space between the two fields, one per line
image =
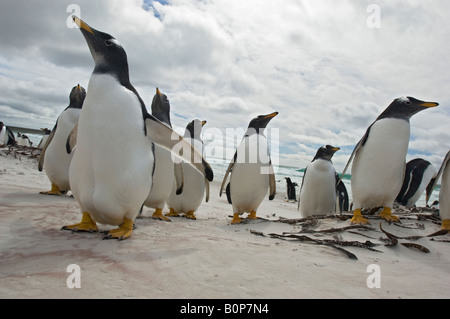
x=328 y=67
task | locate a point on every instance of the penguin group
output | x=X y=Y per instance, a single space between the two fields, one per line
x=155 y=167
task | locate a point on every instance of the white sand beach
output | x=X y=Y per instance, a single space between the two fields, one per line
x=207 y=258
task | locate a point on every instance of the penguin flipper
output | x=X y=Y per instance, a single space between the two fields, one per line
x=434 y=180
x=44 y=149
x=207 y=190
x=179 y=177
x=72 y=139
x=272 y=183
x=165 y=137
x=229 y=169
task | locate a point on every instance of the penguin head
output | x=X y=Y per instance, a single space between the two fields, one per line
x=260 y=122
x=109 y=55
x=326 y=152
x=161 y=107
x=405 y=107
x=194 y=128
x=77 y=96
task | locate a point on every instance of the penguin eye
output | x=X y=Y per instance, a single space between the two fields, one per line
x=408 y=103
x=108 y=43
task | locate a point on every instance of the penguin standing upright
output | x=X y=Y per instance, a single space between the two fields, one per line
x=23 y=140
x=251 y=172
x=379 y=159
x=6 y=136
x=418 y=175
x=54 y=158
x=444 y=194
x=194 y=184
x=290 y=190
x=318 y=189
x=112 y=167
x=163 y=175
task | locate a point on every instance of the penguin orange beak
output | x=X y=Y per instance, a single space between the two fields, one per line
x=271 y=115
x=158 y=92
x=81 y=24
x=203 y=123
x=429 y=104
x=335 y=149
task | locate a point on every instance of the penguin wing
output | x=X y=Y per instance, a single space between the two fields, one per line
x=229 y=169
x=434 y=180
x=355 y=150
x=301 y=186
x=165 y=137
x=72 y=139
x=179 y=177
x=44 y=149
x=272 y=184
x=207 y=190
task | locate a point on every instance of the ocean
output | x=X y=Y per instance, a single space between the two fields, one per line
x=220 y=166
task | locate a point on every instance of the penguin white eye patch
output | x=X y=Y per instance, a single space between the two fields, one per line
x=112 y=41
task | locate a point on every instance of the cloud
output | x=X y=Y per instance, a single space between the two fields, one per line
x=316 y=62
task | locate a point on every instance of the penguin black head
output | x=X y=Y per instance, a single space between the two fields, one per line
x=161 y=107
x=194 y=128
x=77 y=96
x=260 y=122
x=326 y=152
x=405 y=107
x=109 y=55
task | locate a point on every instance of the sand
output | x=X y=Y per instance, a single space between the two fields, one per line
x=203 y=259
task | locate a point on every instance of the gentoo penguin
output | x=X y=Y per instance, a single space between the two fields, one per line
x=44 y=138
x=444 y=194
x=6 y=135
x=251 y=172
x=194 y=184
x=342 y=199
x=290 y=189
x=23 y=140
x=418 y=175
x=54 y=159
x=163 y=175
x=318 y=190
x=379 y=159
x=111 y=169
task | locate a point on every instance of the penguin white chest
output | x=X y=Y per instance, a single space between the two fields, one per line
x=110 y=173
x=379 y=165
x=444 y=194
x=249 y=181
x=318 y=192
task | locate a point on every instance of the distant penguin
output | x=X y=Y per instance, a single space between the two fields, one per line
x=251 y=172
x=342 y=199
x=379 y=159
x=444 y=194
x=194 y=184
x=111 y=171
x=44 y=138
x=163 y=175
x=291 y=194
x=6 y=136
x=54 y=159
x=318 y=189
x=418 y=175
x=23 y=140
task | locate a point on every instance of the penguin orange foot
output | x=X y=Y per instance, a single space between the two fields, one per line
x=54 y=191
x=158 y=215
x=173 y=213
x=386 y=214
x=190 y=215
x=236 y=219
x=358 y=218
x=87 y=224
x=123 y=232
x=252 y=215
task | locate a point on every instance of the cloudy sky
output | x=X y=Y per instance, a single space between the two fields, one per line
x=328 y=67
